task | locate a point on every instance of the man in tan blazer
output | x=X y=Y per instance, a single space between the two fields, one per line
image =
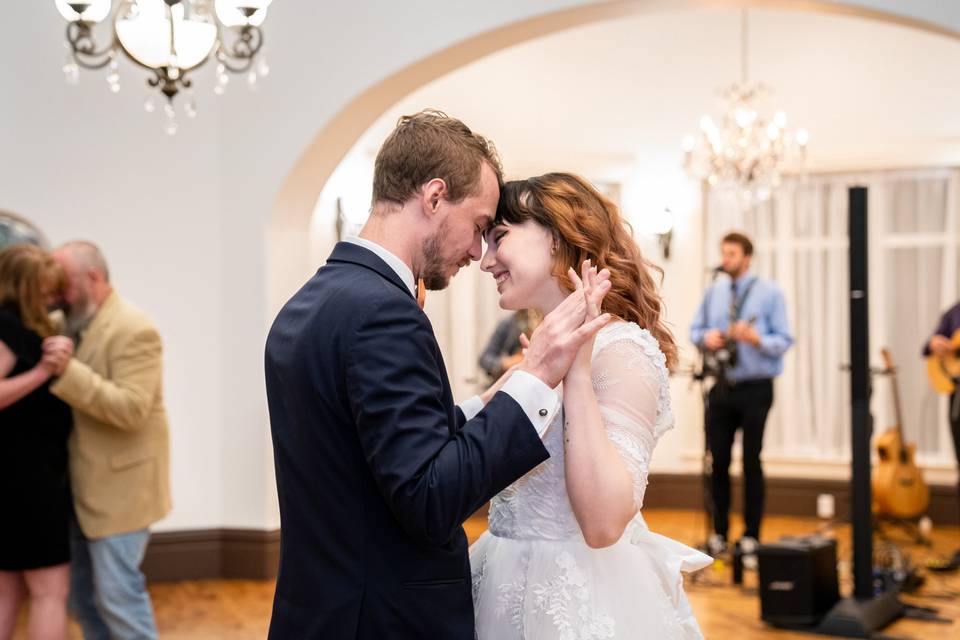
x=119 y=447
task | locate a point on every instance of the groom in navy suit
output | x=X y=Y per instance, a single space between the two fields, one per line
x=376 y=467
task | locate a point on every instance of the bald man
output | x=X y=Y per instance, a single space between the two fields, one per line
x=119 y=447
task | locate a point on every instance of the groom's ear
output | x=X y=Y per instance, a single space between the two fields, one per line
x=432 y=195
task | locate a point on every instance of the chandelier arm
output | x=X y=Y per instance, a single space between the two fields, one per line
x=169 y=84
x=83 y=50
x=239 y=58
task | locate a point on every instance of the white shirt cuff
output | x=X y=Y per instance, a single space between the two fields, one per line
x=471 y=407
x=537 y=400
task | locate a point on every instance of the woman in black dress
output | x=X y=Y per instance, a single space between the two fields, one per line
x=34 y=425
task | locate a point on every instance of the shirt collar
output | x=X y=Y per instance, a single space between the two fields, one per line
x=399 y=266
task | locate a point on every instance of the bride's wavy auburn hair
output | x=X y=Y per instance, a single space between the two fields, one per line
x=588 y=225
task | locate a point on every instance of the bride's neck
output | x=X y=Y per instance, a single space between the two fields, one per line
x=551 y=301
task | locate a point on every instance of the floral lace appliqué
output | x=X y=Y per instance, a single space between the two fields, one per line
x=511 y=596
x=601 y=381
x=476 y=579
x=566 y=599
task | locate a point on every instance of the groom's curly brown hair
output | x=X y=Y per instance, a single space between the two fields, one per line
x=427 y=145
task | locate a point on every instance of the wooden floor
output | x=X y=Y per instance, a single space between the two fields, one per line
x=240 y=609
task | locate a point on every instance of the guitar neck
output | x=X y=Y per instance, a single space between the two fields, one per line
x=896 y=404
x=895 y=387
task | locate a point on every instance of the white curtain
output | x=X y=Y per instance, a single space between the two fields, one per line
x=800 y=237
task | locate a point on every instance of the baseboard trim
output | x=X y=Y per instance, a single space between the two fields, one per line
x=212 y=553
x=255 y=554
x=785 y=496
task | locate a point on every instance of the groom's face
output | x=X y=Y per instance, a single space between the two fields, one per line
x=457 y=239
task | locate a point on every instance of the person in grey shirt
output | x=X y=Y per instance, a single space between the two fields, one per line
x=503 y=349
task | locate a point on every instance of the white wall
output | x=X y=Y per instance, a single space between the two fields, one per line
x=83 y=163
x=183 y=221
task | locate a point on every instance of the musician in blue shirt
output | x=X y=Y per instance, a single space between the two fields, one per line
x=742 y=325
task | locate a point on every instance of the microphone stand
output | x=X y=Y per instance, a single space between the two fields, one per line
x=706 y=465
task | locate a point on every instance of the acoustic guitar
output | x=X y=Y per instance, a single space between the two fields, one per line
x=898 y=487
x=944 y=371
x=717 y=363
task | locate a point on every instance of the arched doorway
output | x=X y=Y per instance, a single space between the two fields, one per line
x=287 y=251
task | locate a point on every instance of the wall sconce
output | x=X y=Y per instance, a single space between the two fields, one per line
x=664 y=231
x=664 y=240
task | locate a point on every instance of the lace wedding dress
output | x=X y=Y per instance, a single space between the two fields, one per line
x=534 y=577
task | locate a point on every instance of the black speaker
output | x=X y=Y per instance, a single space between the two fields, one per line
x=798 y=580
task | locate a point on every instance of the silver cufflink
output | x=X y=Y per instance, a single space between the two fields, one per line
x=543 y=413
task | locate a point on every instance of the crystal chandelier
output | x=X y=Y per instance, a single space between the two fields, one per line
x=746 y=152
x=169 y=38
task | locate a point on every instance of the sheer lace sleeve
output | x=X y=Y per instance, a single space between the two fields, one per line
x=630 y=380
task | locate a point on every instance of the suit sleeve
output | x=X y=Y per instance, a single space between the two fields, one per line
x=125 y=398
x=432 y=475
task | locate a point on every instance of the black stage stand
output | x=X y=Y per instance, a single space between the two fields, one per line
x=864 y=613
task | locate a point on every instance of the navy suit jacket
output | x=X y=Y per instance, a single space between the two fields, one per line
x=376 y=467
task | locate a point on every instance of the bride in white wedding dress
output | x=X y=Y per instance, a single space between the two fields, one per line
x=568 y=555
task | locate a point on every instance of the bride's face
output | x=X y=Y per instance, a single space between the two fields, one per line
x=519 y=258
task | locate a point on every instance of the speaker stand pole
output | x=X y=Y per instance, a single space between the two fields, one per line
x=864 y=613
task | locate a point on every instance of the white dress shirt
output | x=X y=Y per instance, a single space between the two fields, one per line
x=539 y=402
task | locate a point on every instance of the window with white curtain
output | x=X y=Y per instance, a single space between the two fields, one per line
x=914 y=255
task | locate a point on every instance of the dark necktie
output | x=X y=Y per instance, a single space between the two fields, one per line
x=734 y=311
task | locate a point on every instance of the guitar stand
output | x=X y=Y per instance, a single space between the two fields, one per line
x=911 y=528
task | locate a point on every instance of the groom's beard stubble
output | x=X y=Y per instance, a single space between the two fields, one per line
x=434 y=277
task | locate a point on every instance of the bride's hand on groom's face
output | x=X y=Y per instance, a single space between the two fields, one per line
x=564 y=330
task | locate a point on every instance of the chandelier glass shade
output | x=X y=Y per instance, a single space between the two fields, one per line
x=169 y=38
x=746 y=152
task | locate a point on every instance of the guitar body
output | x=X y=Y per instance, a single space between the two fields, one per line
x=898 y=487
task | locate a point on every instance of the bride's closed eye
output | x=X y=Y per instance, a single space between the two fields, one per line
x=493 y=235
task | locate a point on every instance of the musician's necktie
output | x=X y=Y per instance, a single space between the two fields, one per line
x=734 y=311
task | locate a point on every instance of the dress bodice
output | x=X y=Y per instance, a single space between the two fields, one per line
x=628 y=369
